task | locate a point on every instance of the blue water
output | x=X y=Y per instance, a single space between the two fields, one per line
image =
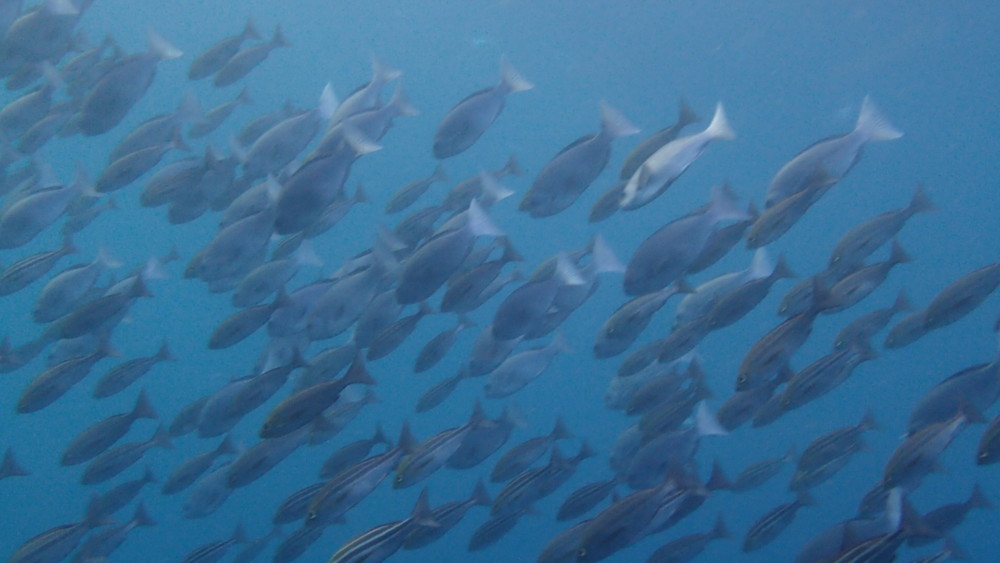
x=789 y=73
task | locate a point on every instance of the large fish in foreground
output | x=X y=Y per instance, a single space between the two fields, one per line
x=469 y=119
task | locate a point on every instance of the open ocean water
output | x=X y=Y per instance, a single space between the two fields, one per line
x=788 y=74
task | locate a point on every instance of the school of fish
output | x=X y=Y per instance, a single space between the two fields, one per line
x=278 y=192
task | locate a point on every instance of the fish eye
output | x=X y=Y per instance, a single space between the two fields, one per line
x=399 y=478
x=582 y=552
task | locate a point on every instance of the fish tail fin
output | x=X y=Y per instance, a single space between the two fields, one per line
x=95 y=514
x=244 y=97
x=360 y=143
x=51 y=76
x=559 y=431
x=719 y=127
x=902 y=303
x=920 y=202
x=614 y=122
x=407 y=443
x=379 y=437
x=898 y=255
x=439 y=174
x=953 y=550
x=493 y=189
x=106 y=260
x=141 y=516
x=511 y=167
x=560 y=343
x=189 y=108
x=239 y=535
x=163 y=354
x=719 y=530
x=566 y=271
x=479 y=222
x=868 y=421
x=977 y=499
x=143 y=407
x=685 y=114
x=358 y=374
x=278 y=40
x=511 y=79
x=61 y=7
x=873 y=124
x=250 y=31
x=226 y=446
x=360 y=195
x=604 y=258
x=782 y=270
x=805 y=499
x=10 y=466
x=306 y=255
x=161 y=47
x=510 y=254
x=153 y=269
x=162 y=438
x=422 y=514
x=706 y=422
x=760 y=265
x=381 y=72
x=718 y=481
x=725 y=205
x=480 y=496
x=328 y=102
x=401 y=103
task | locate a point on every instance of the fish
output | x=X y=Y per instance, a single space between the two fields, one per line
x=769 y=526
x=447 y=516
x=114 y=460
x=868 y=325
x=408 y=194
x=687 y=548
x=523 y=455
x=25 y=219
x=663 y=167
x=564 y=178
x=666 y=254
x=118 y=378
x=917 y=454
x=430 y=266
x=215 y=57
x=634 y=159
x=213 y=118
x=837 y=155
x=121 y=87
x=186 y=473
x=98 y=437
x=55 y=544
x=302 y=407
x=520 y=369
x=248 y=58
x=961 y=297
x=858 y=243
x=366 y=97
x=466 y=122
x=625 y=325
